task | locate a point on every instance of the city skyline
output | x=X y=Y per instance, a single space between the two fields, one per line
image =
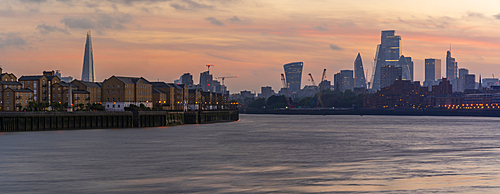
x=183 y=36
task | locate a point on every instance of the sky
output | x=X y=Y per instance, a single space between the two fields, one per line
x=162 y=39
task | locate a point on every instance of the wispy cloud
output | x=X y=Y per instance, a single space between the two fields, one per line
x=99 y=22
x=320 y=28
x=12 y=40
x=335 y=47
x=234 y=19
x=214 y=21
x=190 y=5
x=46 y=29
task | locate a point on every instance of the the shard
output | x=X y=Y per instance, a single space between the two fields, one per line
x=359 y=74
x=88 y=73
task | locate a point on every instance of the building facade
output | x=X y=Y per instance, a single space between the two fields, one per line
x=359 y=74
x=432 y=72
x=88 y=73
x=293 y=73
x=120 y=92
x=389 y=74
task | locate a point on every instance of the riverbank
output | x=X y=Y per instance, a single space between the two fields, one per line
x=401 y=111
x=41 y=121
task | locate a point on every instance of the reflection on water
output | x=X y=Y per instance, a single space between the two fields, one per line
x=261 y=153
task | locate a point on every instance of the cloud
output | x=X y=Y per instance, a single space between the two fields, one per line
x=214 y=21
x=497 y=16
x=474 y=14
x=78 y=22
x=46 y=29
x=190 y=5
x=335 y=47
x=225 y=58
x=320 y=28
x=99 y=21
x=12 y=40
x=34 y=1
x=234 y=19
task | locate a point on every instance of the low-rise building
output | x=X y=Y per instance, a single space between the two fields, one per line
x=120 y=92
x=16 y=99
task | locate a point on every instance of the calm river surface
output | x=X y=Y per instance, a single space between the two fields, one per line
x=261 y=154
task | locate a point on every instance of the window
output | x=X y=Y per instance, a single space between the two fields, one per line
x=108 y=101
x=28 y=82
x=108 y=91
x=113 y=85
x=118 y=99
x=108 y=85
x=59 y=95
x=118 y=106
x=118 y=86
x=113 y=92
x=8 y=101
x=7 y=95
x=118 y=91
x=113 y=99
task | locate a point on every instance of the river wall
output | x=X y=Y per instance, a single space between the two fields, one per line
x=404 y=111
x=41 y=121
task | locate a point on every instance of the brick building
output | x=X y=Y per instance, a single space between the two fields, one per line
x=120 y=92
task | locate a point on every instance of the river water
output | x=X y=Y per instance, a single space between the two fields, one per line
x=261 y=154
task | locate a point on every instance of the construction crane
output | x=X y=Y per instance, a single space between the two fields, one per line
x=318 y=89
x=208 y=65
x=223 y=78
x=285 y=90
x=321 y=88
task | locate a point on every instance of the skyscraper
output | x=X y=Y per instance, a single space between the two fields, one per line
x=470 y=81
x=432 y=72
x=406 y=65
x=187 y=79
x=388 y=52
x=344 y=80
x=388 y=75
x=451 y=70
x=293 y=73
x=88 y=73
x=206 y=82
x=461 y=79
x=359 y=74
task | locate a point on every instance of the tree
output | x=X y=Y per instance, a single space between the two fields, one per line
x=258 y=103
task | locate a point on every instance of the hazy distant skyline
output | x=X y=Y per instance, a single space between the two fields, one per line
x=162 y=39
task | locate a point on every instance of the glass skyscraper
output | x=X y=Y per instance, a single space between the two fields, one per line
x=451 y=70
x=359 y=74
x=88 y=73
x=388 y=53
x=293 y=73
x=432 y=72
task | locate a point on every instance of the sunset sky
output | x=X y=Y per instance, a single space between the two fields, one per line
x=162 y=39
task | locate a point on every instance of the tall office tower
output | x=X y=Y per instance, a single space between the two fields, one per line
x=348 y=83
x=461 y=80
x=470 y=81
x=186 y=79
x=206 y=82
x=359 y=74
x=88 y=73
x=406 y=67
x=451 y=70
x=432 y=72
x=387 y=54
x=389 y=74
x=391 y=44
x=338 y=80
x=293 y=73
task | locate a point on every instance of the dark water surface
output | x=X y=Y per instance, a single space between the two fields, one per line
x=261 y=154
